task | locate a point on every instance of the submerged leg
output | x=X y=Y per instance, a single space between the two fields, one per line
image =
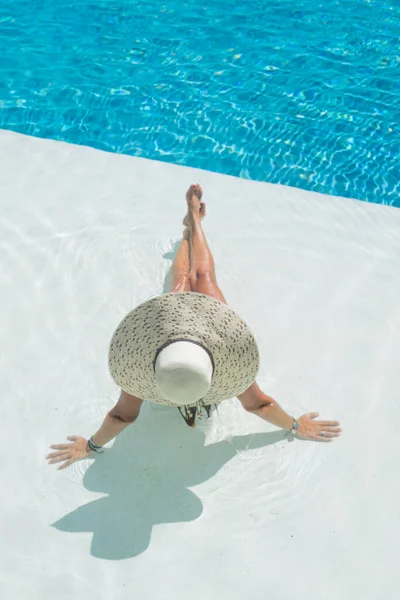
x=180 y=270
x=202 y=266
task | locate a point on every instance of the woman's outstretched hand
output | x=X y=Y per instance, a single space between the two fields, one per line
x=313 y=430
x=69 y=452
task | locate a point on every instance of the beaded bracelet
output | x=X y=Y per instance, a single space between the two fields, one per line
x=93 y=446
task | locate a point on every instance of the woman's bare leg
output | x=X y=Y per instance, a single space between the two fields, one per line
x=180 y=270
x=202 y=266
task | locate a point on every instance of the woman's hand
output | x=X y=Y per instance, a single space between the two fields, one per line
x=312 y=430
x=69 y=452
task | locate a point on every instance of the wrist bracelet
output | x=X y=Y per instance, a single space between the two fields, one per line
x=93 y=446
x=295 y=426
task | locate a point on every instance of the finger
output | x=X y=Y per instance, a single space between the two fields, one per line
x=60 y=446
x=73 y=438
x=329 y=423
x=323 y=438
x=312 y=415
x=333 y=429
x=59 y=459
x=328 y=434
x=65 y=465
x=59 y=453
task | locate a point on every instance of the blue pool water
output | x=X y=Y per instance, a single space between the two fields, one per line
x=302 y=93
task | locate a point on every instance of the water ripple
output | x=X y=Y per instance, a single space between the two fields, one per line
x=268 y=471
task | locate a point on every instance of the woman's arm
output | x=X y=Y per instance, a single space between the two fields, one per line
x=255 y=401
x=123 y=414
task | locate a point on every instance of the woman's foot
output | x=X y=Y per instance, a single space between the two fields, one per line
x=196 y=208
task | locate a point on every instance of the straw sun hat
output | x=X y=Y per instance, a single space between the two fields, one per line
x=183 y=349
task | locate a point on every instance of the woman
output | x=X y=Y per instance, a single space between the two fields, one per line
x=187 y=349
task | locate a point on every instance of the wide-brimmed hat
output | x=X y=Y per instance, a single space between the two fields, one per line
x=183 y=348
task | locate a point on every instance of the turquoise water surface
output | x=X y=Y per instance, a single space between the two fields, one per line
x=302 y=93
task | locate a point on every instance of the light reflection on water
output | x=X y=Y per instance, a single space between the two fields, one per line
x=304 y=94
